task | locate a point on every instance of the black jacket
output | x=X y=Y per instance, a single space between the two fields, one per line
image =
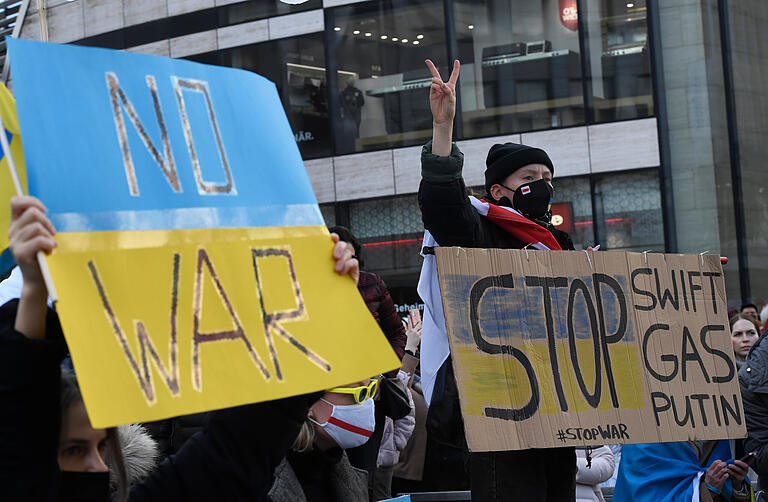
x=449 y=216
x=232 y=459
x=753 y=377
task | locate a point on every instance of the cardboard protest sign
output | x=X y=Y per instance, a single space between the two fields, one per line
x=194 y=268
x=564 y=348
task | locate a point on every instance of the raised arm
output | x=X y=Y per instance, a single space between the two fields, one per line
x=442 y=102
x=29 y=367
x=445 y=207
x=30 y=231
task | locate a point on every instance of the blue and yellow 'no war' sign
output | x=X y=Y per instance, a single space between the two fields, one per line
x=194 y=269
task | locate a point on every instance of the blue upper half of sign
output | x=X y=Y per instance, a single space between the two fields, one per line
x=121 y=141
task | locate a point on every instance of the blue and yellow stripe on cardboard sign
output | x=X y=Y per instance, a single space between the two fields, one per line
x=183 y=212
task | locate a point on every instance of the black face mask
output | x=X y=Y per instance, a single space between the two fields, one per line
x=533 y=199
x=84 y=486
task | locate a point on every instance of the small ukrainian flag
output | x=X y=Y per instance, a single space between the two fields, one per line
x=7 y=190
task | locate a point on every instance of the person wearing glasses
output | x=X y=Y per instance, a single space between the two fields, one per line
x=317 y=467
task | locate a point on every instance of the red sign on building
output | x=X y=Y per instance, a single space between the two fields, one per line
x=569 y=14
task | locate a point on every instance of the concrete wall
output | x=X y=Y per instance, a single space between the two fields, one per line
x=749 y=46
x=70 y=21
x=574 y=151
x=698 y=132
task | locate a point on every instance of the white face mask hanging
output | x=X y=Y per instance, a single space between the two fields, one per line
x=350 y=425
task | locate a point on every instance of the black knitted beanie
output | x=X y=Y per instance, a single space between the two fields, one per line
x=505 y=159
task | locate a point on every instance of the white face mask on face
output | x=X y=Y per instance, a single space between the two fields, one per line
x=350 y=425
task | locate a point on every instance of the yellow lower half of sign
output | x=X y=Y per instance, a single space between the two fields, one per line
x=165 y=323
x=491 y=372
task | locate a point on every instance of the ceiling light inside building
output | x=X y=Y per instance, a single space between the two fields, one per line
x=419 y=36
x=415 y=42
x=294 y=2
x=471 y=27
x=337 y=29
x=383 y=37
x=368 y=34
x=404 y=40
x=395 y=39
x=356 y=32
x=630 y=5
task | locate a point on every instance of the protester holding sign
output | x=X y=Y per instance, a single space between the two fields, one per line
x=233 y=459
x=516 y=214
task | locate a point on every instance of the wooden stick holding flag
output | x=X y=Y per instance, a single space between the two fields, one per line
x=20 y=191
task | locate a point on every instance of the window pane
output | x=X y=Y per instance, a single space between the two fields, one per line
x=383 y=83
x=618 y=59
x=329 y=214
x=750 y=72
x=630 y=204
x=572 y=210
x=390 y=232
x=520 y=66
x=248 y=11
x=297 y=67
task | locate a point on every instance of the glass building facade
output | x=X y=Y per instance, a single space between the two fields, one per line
x=597 y=83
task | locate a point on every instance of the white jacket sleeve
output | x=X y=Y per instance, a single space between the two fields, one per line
x=403 y=428
x=603 y=464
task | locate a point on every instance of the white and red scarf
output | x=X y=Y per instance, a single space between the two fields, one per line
x=516 y=225
x=434 y=338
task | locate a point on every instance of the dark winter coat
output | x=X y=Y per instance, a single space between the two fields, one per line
x=753 y=377
x=379 y=302
x=331 y=479
x=233 y=459
x=172 y=433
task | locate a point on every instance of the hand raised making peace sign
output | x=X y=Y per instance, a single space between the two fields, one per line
x=442 y=95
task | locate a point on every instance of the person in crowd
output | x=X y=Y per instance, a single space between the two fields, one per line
x=398 y=432
x=516 y=214
x=764 y=318
x=317 y=468
x=750 y=309
x=379 y=302
x=698 y=471
x=609 y=484
x=409 y=470
x=595 y=465
x=753 y=379
x=744 y=333
x=82 y=449
x=236 y=457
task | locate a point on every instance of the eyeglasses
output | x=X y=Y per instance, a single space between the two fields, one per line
x=359 y=394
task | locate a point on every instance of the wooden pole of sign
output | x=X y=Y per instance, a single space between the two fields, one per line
x=20 y=191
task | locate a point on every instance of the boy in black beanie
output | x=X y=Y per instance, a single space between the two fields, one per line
x=517 y=177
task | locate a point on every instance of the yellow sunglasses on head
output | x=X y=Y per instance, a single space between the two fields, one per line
x=359 y=394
